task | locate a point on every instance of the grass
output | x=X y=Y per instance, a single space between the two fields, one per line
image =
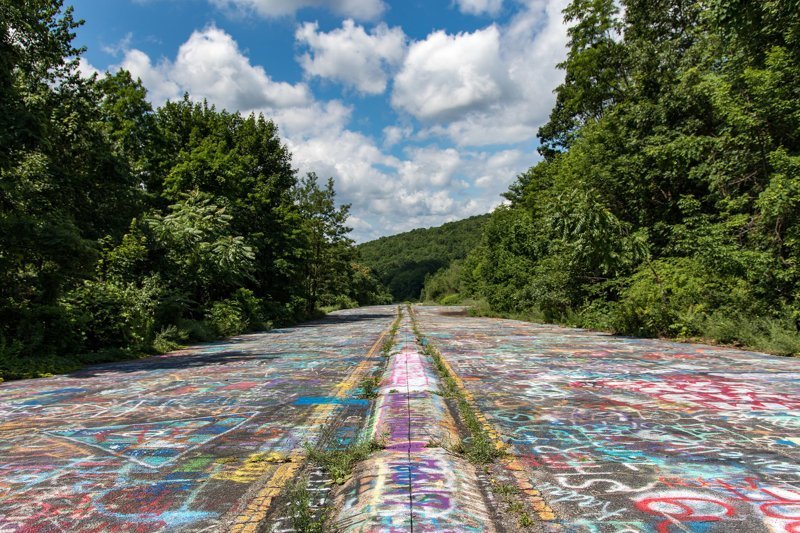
x=370 y=387
x=302 y=514
x=339 y=463
x=511 y=496
x=390 y=341
x=478 y=447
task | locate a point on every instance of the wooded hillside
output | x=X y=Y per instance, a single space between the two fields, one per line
x=401 y=262
x=127 y=230
x=668 y=199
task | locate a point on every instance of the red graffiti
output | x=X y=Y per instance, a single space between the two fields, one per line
x=684 y=509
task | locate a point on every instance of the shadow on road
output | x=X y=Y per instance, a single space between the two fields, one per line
x=225 y=350
x=171 y=362
x=344 y=319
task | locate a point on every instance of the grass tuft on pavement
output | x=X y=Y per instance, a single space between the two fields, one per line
x=478 y=446
x=301 y=512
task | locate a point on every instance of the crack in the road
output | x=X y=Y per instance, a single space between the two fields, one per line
x=408 y=450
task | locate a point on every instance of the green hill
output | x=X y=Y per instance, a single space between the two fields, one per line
x=402 y=261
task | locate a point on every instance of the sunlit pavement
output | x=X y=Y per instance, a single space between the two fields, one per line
x=193 y=440
x=631 y=435
x=415 y=483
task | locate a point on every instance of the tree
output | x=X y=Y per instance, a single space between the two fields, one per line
x=328 y=252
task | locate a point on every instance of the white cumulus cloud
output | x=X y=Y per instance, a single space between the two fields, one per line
x=490 y=87
x=210 y=65
x=357 y=9
x=446 y=76
x=394 y=181
x=479 y=7
x=350 y=55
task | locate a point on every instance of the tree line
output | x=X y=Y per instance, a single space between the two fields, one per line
x=402 y=262
x=127 y=230
x=667 y=202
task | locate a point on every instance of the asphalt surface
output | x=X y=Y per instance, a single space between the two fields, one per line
x=632 y=435
x=613 y=434
x=194 y=440
x=416 y=483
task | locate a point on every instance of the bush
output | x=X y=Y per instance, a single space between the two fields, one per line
x=767 y=334
x=251 y=307
x=451 y=299
x=671 y=297
x=110 y=315
x=169 y=338
x=334 y=303
x=197 y=330
x=227 y=318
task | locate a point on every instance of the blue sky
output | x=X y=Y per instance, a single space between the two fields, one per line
x=422 y=111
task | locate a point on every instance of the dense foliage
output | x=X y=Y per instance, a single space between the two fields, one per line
x=401 y=262
x=126 y=230
x=668 y=200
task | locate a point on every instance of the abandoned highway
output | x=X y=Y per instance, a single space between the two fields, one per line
x=594 y=433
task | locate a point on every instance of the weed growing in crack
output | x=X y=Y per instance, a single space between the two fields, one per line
x=511 y=496
x=303 y=516
x=370 y=387
x=339 y=463
x=478 y=447
x=390 y=341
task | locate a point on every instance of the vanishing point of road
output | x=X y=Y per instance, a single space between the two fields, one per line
x=604 y=433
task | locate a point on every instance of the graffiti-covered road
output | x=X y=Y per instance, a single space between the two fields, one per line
x=193 y=440
x=631 y=435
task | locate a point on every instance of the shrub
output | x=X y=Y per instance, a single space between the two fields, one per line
x=451 y=299
x=767 y=334
x=671 y=296
x=111 y=315
x=197 y=330
x=169 y=338
x=227 y=318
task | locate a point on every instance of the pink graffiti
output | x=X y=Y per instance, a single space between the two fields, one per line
x=714 y=394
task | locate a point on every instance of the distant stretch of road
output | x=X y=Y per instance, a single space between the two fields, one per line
x=630 y=435
x=613 y=434
x=183 y=441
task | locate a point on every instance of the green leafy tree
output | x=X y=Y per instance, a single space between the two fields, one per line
x=328 y=253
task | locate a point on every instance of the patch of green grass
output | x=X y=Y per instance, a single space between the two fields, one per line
x=478 y=447
x=512 y=497
x=391 y=339
x=339 y=463
x=370 y=387
x=301 y=512
x=525 y=520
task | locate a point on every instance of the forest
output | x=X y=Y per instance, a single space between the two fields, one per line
x=127 y=230
x=667 y=201
x=402 y=262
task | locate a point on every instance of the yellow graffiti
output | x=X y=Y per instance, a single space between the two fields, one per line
x=255 y=512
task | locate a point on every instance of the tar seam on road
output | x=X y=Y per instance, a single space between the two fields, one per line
x=408 y=450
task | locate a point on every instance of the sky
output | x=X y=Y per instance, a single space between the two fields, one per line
x=423 y=111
